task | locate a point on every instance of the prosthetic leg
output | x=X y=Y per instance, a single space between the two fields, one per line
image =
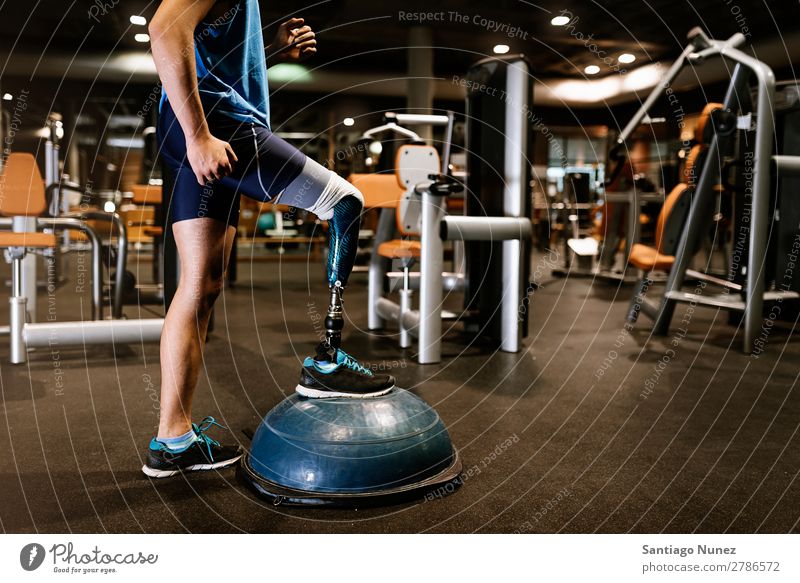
x=332 y=373
x=343 y=229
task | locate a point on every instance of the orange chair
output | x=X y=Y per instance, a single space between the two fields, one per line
x=660 y=257
x=146 y=197
x=413 y=164
x=703 y=132
x=22 y=196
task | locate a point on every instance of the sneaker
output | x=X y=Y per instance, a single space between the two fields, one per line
x=334 y=373
x=203 y=454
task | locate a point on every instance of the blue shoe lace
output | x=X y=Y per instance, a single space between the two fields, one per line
x=352 y=363
x=205 y=440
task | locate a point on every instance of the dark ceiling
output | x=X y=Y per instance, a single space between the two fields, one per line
x=371 y=36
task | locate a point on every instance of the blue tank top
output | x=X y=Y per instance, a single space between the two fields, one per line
x=231 y=64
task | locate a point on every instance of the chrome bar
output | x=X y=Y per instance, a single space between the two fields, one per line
x=451 y=282
x=93 y=332
x=431 y=264
x=412 y=119
x=122 y=253
x=463 y=228
x=377 y=268
x=75 y=224
x=790 y=164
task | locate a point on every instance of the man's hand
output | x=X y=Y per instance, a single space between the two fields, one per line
x=293 y=42
x=210 y=158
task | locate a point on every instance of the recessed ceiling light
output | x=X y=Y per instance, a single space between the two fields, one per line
x=559 y=20
x=626 y=58
x=7 y=97
x=138 y=20
x=592 y=70
x=349 y=121
x=501 y=49
x=142 y=38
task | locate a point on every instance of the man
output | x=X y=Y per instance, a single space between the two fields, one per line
x=214 y=133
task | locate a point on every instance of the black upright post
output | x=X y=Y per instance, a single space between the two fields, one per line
x=171 y=265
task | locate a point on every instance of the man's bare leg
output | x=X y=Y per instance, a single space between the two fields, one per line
x=204 y=247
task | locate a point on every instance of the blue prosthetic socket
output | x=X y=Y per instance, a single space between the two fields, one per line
x=331 y=198
x=343 y=227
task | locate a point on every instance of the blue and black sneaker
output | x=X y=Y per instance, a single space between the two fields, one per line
x=203 y=454
x=333 y=373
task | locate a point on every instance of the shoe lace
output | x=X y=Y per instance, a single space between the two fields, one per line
x=199 y=431
x=353 y=364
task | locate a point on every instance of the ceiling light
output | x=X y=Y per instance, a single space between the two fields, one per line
x=559 y=20
x=7 y=97
x=501 y=49
x=626 y=58
x=142 y=38
x=289 y=73
x=349 y=121
x=138 y=20
x=592 y=70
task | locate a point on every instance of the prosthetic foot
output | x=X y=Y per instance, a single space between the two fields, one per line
x=333 y=372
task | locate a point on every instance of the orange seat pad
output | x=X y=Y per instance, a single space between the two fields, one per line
x=648 y=258
x=30 y=240
x=400 y=249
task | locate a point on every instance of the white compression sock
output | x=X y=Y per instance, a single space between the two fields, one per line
x=318 y=190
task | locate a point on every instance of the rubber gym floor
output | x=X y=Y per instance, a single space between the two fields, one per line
x=590 y=429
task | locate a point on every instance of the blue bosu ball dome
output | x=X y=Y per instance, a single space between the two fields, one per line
x=346 y=451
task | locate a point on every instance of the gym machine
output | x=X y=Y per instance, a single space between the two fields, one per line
x=495 y=229
x=59 y=217
x=737 y=111
x=24 y=198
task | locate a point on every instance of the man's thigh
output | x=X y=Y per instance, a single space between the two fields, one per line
x=266 y=165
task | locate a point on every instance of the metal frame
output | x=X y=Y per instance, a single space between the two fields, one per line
x=425 y=324
x=23 y=335
x=700 y=48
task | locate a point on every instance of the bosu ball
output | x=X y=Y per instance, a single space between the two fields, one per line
x=347 y=452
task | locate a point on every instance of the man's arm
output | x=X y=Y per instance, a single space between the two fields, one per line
x=172 y=43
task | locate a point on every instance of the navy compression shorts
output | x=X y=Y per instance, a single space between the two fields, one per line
x=267 y=165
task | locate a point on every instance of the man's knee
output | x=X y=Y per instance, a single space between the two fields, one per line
x=320 y=191
x=213 y=290
x=344 y=189
x=201 y=292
